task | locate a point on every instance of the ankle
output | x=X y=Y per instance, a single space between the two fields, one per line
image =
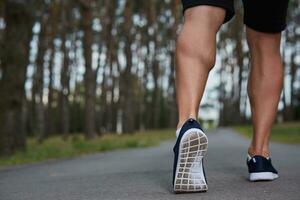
x=258 y=152
x=179 y=125
x=183 y=120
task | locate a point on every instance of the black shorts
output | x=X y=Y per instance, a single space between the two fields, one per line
x=261 y=15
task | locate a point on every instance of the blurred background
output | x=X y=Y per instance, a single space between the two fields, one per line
x=77 y=71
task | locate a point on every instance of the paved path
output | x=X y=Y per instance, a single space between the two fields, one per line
x=139 y=174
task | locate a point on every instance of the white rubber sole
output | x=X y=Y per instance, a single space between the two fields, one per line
x=263 y=176
x=189 y=175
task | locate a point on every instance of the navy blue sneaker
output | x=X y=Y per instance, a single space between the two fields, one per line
x=189 y=150
x=261 y=169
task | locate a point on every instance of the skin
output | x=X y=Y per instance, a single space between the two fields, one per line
x=264 y=86
x=195 y=57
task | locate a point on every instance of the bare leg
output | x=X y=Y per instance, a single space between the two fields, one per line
x=264 y=86
x=195 y=55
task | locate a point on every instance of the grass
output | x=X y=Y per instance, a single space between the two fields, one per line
x=284 y=133
x=55 y=147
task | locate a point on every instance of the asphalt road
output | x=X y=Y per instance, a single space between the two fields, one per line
x=139 y=174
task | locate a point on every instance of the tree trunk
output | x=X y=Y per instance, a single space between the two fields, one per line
x=49 y=124
x=39 y=76
x=127 y=105
x=14 y=60
x=65 y=74
x=172 y=92
x=156 y=93
x=49 y=119
x=90 y=75
x=237 y=87
x=109 y=19
x=64 y=95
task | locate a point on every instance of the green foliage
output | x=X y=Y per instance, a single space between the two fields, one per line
x=284 y=133
x=55 y=147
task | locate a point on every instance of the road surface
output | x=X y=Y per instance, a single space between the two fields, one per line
x=139 y=174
